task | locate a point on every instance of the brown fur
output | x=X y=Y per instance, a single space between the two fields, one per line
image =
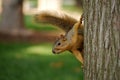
x=58 y=19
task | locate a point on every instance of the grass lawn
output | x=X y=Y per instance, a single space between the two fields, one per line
x=25 y=61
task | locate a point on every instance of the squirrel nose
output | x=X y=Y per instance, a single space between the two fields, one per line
x=53 y=51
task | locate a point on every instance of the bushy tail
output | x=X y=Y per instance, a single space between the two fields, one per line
x=58 y=19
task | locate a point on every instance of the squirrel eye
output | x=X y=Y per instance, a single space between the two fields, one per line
x=59 y=43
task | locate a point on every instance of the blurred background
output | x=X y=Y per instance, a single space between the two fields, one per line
x=26 y=46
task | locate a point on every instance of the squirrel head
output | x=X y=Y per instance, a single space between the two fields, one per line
x=60 y=45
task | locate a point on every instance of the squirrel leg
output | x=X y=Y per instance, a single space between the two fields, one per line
x=78 y=55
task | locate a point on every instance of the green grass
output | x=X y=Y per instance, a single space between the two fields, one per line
x=25 y=61
x=31 y=24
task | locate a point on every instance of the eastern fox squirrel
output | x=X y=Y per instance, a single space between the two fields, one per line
x=72 y=41
x=73 y=38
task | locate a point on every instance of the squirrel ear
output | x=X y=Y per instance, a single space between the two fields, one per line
x=64 y=39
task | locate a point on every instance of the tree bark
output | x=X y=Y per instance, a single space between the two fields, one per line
x=102 y=39
x=12 y=16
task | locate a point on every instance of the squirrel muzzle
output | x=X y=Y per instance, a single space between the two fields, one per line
x=53 y=51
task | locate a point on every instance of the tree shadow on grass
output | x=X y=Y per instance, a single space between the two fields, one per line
x=29 y=62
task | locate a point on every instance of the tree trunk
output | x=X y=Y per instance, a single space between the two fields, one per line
x=12 y=16
x=102 y=39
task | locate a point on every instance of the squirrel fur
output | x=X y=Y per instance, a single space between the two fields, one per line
x=72 y=41
x=59 y=19
x=73 y=38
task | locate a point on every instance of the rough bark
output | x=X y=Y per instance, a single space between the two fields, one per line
x=12 y=16
x=102 y=39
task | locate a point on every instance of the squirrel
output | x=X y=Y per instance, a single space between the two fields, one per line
x=73 y=38
x=72 y=41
